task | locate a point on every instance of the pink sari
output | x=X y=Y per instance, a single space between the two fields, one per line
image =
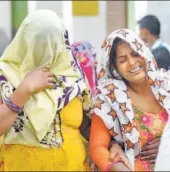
x=86 y=54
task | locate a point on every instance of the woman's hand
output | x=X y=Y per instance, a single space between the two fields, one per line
x=39 y=80
x=150 y=150
x=117 y=152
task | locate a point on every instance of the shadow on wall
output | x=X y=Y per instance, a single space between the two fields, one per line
x=4 y=40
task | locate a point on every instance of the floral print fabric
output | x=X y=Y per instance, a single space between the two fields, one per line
x=86 y=54
x=150 y=126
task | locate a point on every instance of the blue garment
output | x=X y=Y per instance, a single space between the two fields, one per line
x=161 y=52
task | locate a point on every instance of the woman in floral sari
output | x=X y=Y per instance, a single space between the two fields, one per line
x=86 y=55
x=43 y=97
x=132 y=103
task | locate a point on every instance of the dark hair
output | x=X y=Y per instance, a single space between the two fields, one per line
x=151 y=23
x=112 y=57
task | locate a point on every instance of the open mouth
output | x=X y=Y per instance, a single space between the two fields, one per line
x=135 y=70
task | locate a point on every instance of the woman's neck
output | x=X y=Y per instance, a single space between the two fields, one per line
x=140 y=88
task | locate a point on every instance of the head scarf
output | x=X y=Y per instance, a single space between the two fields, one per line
x=86 y=54
x=113 y=104
x=42 y=41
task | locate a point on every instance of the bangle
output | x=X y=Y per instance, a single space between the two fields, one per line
x=15 y=108
x=111 y=164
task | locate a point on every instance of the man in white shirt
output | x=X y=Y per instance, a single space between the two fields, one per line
x=149 y=31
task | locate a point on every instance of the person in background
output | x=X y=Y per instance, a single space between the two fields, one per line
x=86 y=55
x=149 y=31
x=44 y=99
x=128 y=78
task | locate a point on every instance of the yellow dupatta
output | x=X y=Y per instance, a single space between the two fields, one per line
x=41 y=41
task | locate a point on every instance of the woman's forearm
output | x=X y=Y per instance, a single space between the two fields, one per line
x=119 y=166
x=7 y=116
x=99 y=141
x=21 y=95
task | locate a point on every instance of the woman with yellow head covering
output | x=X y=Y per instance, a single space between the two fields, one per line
x=43 y=95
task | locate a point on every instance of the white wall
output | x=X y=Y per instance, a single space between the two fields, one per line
x=67 y=17
x=91 y=28
x=53 y=5
x=162 y=10
x=5 y=17
x=141 y=9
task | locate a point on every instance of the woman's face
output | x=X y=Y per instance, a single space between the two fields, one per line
x=130 y=64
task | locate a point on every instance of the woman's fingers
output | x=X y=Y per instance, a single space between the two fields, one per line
x=150 y=157
x=52 y=80
x=51 y=85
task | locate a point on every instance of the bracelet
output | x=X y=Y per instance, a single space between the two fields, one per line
x=110 y=165
x=15 y=108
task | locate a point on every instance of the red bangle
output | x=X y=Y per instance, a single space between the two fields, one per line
x=17 y=105
x=111 y=164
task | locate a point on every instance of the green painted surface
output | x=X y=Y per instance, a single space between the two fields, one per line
x=131 y=22
x=19 y=12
